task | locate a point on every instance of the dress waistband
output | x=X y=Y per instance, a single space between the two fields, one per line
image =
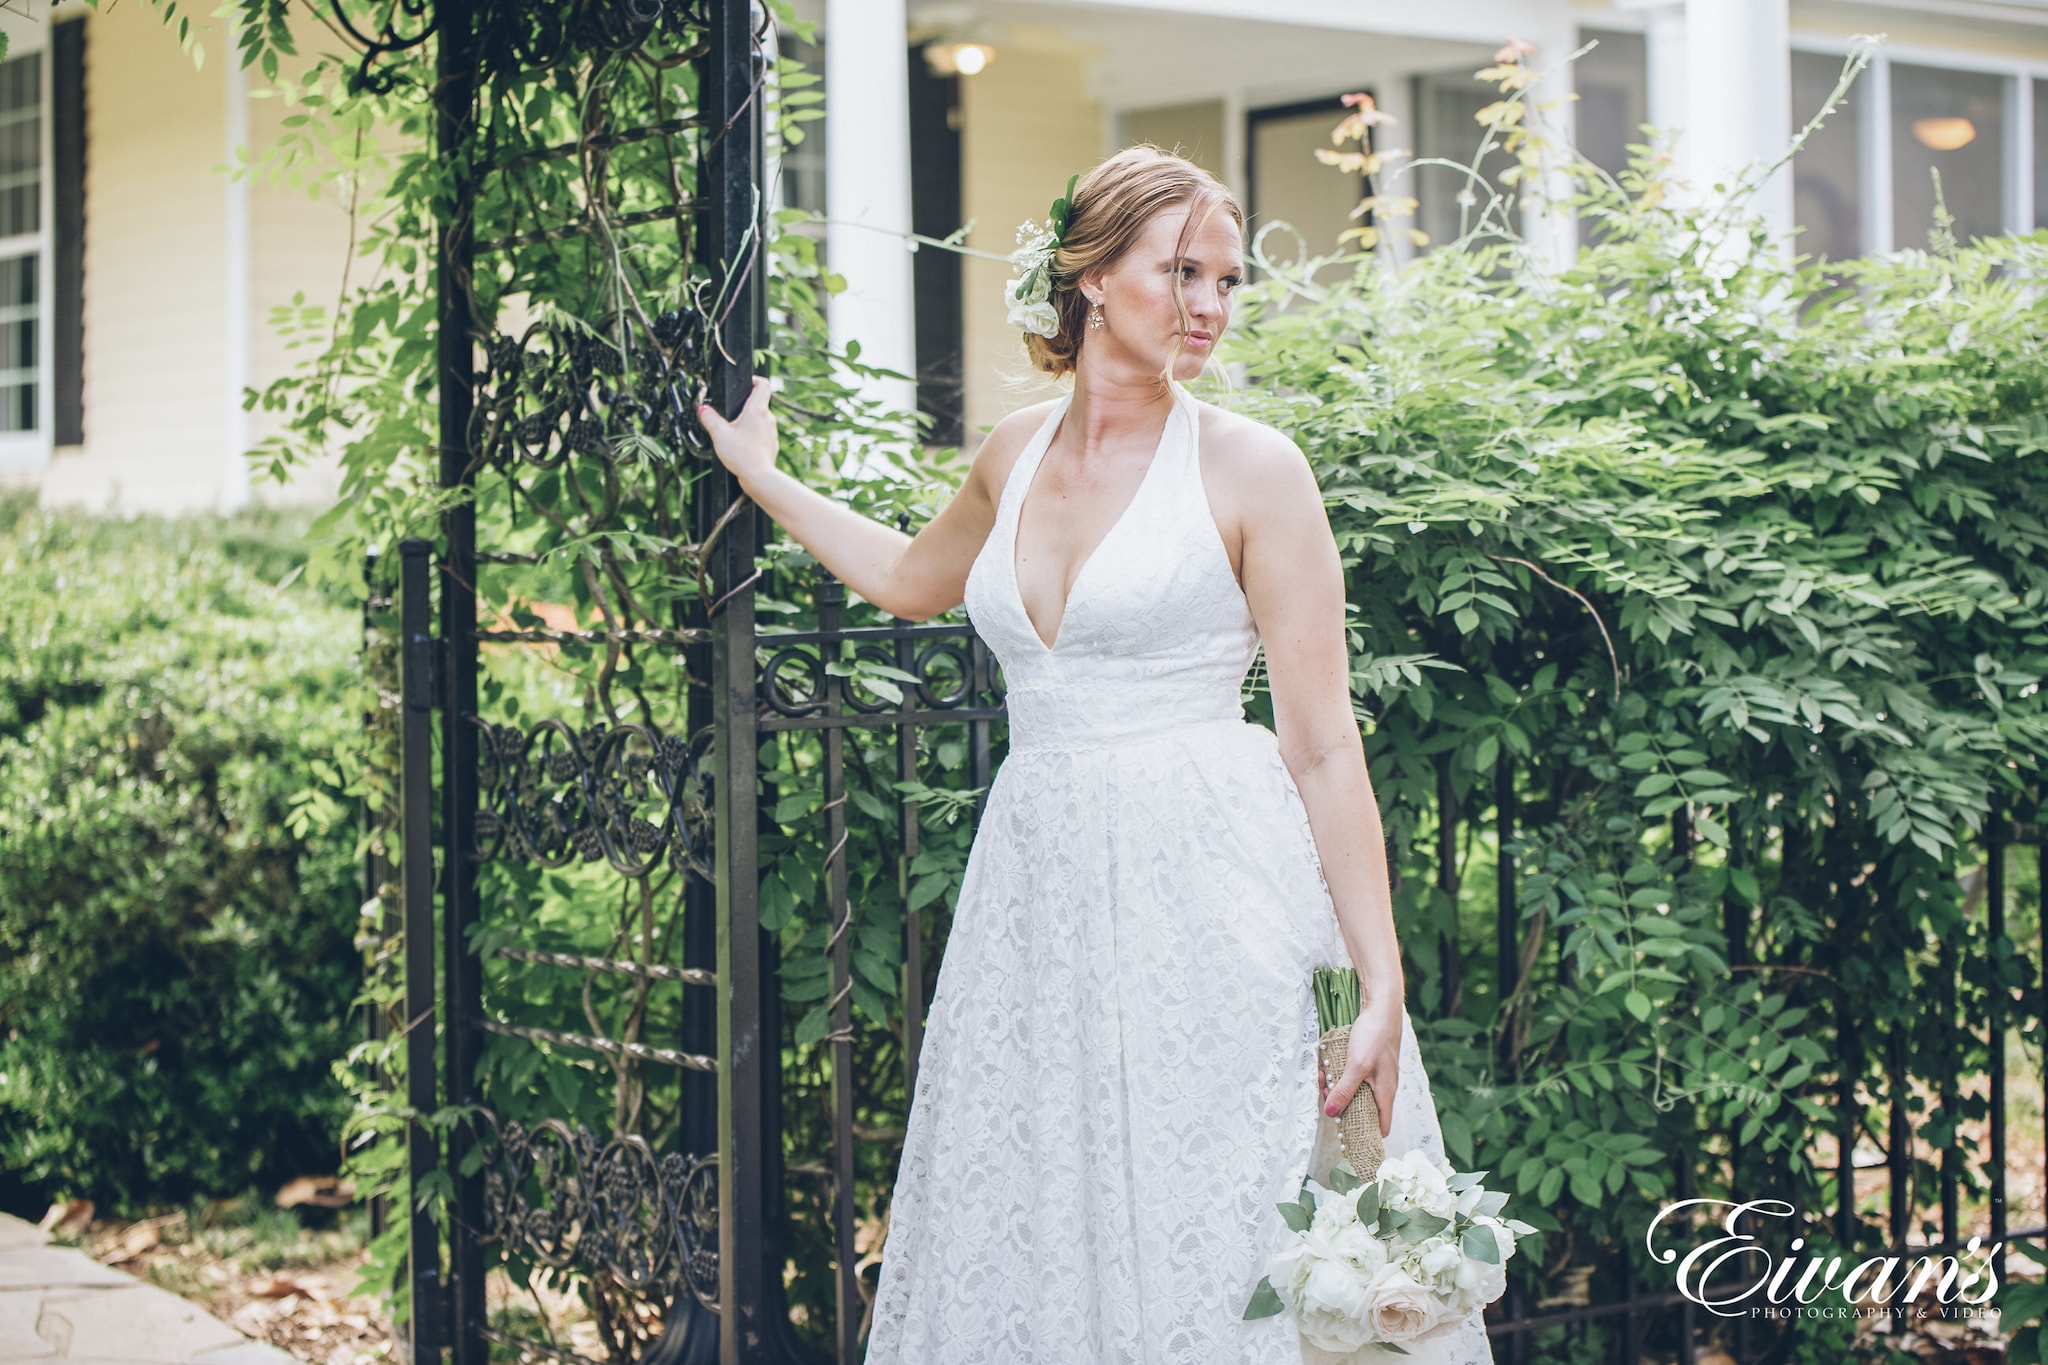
x=1026 y=738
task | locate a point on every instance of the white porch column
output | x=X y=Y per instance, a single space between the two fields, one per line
x=1738 y=98
x=867 y=188
x=1664 y=48
x=1553 y=232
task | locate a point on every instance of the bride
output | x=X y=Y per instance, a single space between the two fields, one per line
x=1119 y=1074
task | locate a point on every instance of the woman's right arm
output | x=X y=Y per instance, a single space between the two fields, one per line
x=913 y=577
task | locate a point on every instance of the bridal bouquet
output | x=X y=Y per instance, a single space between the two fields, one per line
x=1398 y=1256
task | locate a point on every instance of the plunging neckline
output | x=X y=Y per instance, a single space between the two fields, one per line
x=1053 y=422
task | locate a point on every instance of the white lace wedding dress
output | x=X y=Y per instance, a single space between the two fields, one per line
x=1118 y=1080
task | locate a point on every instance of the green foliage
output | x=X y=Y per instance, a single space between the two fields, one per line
x=177 y=877
x=2024 y=1305
x=1735 y=566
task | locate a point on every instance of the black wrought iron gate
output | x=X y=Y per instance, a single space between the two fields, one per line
x=567 y=448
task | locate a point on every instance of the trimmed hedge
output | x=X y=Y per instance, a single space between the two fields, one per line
x=176 y=948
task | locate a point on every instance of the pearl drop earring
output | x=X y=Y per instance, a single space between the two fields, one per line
x=1094 y=316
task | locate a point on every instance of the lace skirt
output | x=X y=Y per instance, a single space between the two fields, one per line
x=1118 y=1080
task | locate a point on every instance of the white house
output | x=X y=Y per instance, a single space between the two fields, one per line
x=915 y=135
x=137 y=279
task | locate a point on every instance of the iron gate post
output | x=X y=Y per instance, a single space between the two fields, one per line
x=752 y=1324
x=376 y=864
x=454 y=113
x=416 y=810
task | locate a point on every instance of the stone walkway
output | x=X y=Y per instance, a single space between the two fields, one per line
x=59 y=1304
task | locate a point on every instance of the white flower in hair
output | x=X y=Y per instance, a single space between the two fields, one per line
x=1028 y=293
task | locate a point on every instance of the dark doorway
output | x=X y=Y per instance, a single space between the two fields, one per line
x=935 y=212
x=1289 y=185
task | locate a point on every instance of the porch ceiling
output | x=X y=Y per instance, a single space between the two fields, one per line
x=1464 y=21
x=1143 y=53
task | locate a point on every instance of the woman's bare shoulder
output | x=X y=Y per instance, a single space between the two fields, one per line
x=1243 y=454
x=1005 y=441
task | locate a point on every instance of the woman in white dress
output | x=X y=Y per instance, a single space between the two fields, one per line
x=1119 y=1077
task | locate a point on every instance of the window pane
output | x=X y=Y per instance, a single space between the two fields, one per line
x=1613 y=86
x=1953 y=122
x=18 y=343
x=21 y=141
x=1827 y=176
x=1444 y=126
x=1290 y=186
x=2041 y=154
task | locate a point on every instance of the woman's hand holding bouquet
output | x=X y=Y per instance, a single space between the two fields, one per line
x=1396 y=1251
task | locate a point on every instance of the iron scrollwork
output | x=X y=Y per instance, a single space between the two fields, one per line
x=558 y=391
x=625 y=794
x=569 y=1200
x=795 y=679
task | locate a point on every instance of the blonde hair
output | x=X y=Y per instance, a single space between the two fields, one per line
x=1110 y=207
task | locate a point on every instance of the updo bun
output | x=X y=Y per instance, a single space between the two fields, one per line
x=1111 y=206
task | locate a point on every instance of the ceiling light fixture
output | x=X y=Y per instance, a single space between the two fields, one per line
x=958 y=59
x=1944 y=134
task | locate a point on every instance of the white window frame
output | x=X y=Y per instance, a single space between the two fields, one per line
x=1874 y=132
x=29 y=451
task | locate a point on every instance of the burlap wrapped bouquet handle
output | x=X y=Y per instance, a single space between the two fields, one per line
x=1358 y=1127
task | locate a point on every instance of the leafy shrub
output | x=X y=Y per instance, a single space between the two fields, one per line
x=176 y=941
x=1727 y=565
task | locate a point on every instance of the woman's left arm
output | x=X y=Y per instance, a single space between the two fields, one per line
x=1294 y=581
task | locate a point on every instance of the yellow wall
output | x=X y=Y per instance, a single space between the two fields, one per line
x=1027 y=123
x=1194 y=130
x=297 y=244
x=155 y=327
x=160 y=422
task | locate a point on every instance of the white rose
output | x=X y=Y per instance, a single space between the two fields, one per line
x=1366 y=1252
x=1398 y=1175
x=1432 y=1194
x=1479 y=1283
x=1436 y=1268
x=1334 y=1211
x=1039 y=290
x=1414 y=1180
x=1333 y=1309
x=1035 y=317
x=1299 y=1254
x=1399 y=1308
x=1289 y=1267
